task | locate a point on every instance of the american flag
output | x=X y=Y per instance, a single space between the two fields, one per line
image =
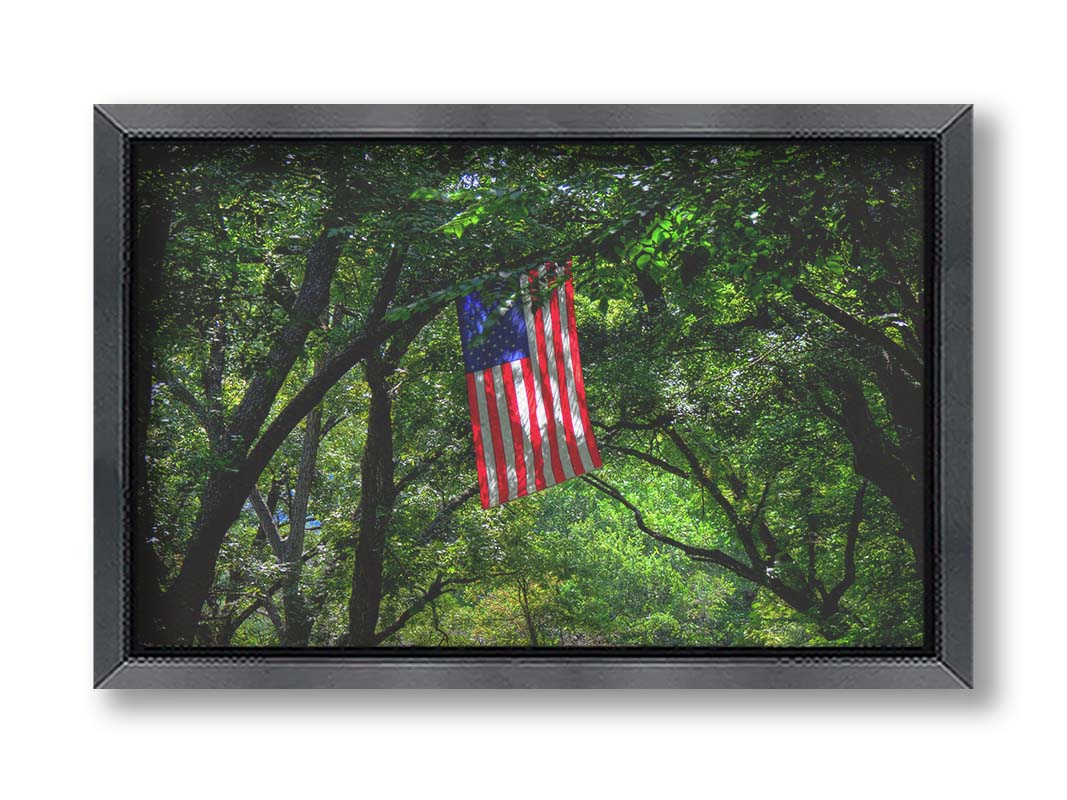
x=524 y=385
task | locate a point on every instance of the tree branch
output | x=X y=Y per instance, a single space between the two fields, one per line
x=744 y=532
x=305 y=478
x=332 y=423
x=655 y=424
x=447 y=511
x=271 y=590
x=697 y=553
x=211 y=378
x=416 y=472
x=861 y=329
x=314 y=294
x=770 y=542
x=437 y=588
x=333 y=369
x=185 y=396
x=647 y=458
x=833 y=598
x=267 y=523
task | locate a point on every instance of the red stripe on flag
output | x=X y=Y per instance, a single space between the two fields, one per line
x=535 y=426
x=498 y=440
x=579 y=381
x=517 y=434
x=557 y=344
x=546 y=392
x=476 y=426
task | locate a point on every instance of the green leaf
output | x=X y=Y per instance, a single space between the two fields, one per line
x=426 y=194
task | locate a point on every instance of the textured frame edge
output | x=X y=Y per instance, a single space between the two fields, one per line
x=109 y=569
x=955 y=434
x=949 y=127
x=519 y=673
x=529 y=121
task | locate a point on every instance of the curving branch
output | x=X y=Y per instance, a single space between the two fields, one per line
x=802 y=601
x=268 y=524
x=264 y=597
x=647 y=458
x=833 y=597
x=416 y=472
x=439 y=587
x=713 y=556
x=447 y=510
x=186 y=397
x=859 y=328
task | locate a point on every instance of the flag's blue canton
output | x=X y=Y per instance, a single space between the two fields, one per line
x=505 y=340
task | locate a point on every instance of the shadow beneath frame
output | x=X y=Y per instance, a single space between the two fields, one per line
x=503 y=704
x=990 y=517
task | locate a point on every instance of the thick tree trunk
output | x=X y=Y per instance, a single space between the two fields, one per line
x=375 y=508
x=904 y=401
x=228 y=486
x=297 y=616
x=379 y=488
x=879 y=462
x=225 y=491
x=895 y=467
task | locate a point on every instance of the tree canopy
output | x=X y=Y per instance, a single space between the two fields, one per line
x=752 y=320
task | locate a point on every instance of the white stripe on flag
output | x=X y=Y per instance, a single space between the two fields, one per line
x=539 y=403
x=572 y=394
x=505 y=434
x=524 y=419
x=553 y=381
x=487 y=441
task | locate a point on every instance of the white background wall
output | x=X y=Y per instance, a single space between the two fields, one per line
x=1005 y=737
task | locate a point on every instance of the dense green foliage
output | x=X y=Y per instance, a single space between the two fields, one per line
x=751 y=320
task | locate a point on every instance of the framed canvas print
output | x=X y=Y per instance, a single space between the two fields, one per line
x=533 y=396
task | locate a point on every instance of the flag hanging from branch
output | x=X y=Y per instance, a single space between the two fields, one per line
x=524 y=385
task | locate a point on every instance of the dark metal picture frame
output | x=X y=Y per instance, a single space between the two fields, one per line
x=948 y=131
